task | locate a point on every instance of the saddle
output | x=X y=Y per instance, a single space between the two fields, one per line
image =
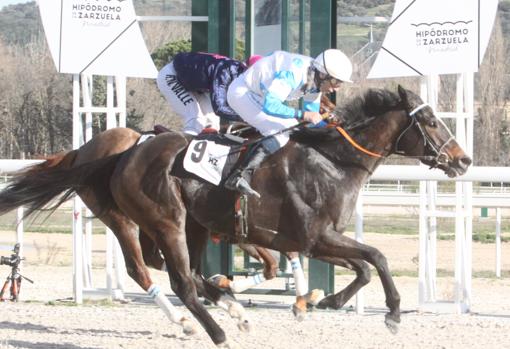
x=233 y=136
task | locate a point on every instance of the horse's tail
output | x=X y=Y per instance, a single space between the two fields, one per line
x=55 y=180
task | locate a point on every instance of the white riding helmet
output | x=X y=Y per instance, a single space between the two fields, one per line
x=334 y=63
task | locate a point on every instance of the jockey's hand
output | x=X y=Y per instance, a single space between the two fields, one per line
x=312 y=116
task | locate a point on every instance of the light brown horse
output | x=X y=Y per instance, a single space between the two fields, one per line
x=308 y=190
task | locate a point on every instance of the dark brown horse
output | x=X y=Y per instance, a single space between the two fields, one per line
x=308 y=193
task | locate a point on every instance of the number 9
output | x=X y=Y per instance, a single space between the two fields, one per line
x=198 y=151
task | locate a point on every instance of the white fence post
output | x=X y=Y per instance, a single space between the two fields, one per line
x=498 y=242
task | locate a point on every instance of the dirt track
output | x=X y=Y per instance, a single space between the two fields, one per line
x=42 y=320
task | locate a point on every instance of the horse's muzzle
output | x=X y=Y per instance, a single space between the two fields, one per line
x=458 y=166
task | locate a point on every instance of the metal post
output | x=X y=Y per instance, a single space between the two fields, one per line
x=285 y=25
x=77 y=205
x=360 y=300
x=120 y=89
x=199 y=30
x=498 y=242
x=301 y=46
x=321 y=275
x=87 y=85
x=250 y=29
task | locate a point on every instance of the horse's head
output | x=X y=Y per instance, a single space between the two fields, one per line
x=428 y=138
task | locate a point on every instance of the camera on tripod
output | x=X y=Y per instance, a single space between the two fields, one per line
x=13 y=260
x=13 y=282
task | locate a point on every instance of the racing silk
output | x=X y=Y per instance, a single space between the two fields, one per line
x=282 y=77
x=204 y=72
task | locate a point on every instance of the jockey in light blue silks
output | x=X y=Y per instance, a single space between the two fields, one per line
x=259 y=95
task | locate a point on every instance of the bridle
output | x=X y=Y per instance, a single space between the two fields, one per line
x=440 y=157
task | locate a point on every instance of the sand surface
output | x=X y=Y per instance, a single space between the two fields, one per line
x=46 y=318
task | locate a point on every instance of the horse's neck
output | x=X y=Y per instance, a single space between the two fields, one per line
x=377 y=138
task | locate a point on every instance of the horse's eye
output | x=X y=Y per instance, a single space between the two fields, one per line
x=433 y=124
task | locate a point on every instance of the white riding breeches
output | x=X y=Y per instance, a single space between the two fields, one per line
x=195 y=108
x=249 y=106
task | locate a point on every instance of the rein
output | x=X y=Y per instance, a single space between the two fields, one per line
x=356 y=145
x=440 y=157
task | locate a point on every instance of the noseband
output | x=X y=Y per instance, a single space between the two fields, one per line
x=440 y=157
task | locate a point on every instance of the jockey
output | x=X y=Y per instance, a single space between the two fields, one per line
x=195 y=85
x=260 y=93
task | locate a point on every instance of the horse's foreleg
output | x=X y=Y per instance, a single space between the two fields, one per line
x=333 y=244
x=338 y=300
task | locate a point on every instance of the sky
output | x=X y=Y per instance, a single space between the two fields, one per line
x=11 y=2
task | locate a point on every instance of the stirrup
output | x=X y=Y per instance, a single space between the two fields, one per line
x=244 y=187
x=237 y=182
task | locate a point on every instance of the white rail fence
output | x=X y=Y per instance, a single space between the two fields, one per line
x=377 y=195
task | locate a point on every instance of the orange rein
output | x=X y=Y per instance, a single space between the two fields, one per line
x=344 y=133
x=353 y=142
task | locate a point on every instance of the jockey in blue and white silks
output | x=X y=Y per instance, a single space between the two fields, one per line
x=259 y=96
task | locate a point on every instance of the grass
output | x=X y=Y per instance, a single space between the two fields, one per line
x=482 y=237
x=483 y=228
x=58 y=222
x=486 y=274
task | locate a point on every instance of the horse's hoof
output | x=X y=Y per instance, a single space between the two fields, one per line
x=188 y=327
x=328 y=302
x=299 y=314
x=314 y=296
x=220 y=281
x=228 y=344
x=244 y=325
x=236 y=310
x=391 y=323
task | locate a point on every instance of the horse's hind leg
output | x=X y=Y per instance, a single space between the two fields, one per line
x=337 y=300
x=126 y=232
x=196 y=237
x=151 y=255
x=262 y=255
x=303 y=297
x=138 y=271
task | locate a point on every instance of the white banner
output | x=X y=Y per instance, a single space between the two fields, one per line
x=97 y=37
x=435 y=37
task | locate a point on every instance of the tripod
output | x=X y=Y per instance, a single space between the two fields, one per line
x=13 y=283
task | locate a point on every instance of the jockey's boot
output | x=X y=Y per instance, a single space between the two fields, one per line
x=241 y=177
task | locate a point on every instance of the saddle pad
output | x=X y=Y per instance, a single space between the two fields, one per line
x=211 y=157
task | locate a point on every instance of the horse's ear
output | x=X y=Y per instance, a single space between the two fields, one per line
x=403 y=94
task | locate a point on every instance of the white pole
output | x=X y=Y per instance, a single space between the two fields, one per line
x=77 y=207
x=360 y=300
x=498 y=242
x=423 y=295
x=431 y=256
x=111 y=122
x=109 y=261
x=111 y=119
x=19 y=229
x=87 y=86
x=120 y=85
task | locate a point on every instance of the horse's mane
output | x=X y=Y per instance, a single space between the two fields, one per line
x=372 y=103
